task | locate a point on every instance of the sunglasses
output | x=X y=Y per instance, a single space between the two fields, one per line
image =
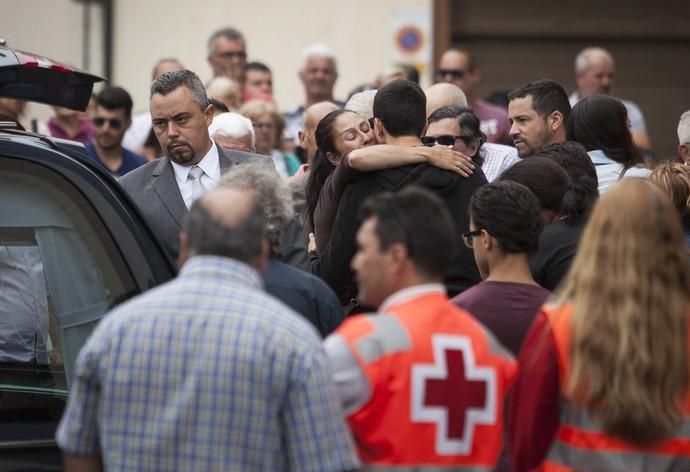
x=468 y=238
x=114 y=123
x=454 y=73
x=443 y=140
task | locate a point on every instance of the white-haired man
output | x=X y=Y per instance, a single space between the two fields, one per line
x=227 y=54
x=233 y=131
x=684 y=137
x=594 y=74
x=318 y=72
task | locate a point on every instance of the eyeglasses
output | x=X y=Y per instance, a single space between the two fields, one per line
x=443 y=140
x=263 y=125
x=232 y=54
x=453 y=73
x=114 y=123
x=468 y=238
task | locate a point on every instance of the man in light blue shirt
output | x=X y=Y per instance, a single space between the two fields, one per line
x=207 y=372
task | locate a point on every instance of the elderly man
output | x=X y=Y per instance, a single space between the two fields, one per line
x=306 y=294
x=318 y=72
x=594 y=74
x=207 y=372
x=459 y=67
x=164 y=189
x=684 y=137
x=227 y=54
x=538 y=112
x=233 y=131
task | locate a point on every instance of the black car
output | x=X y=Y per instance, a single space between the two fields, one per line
x=72 y=246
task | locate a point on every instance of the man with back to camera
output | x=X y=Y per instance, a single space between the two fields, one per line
x=421 y=382
x=303 y=292
x=538 y=112
x=113 y=116
x=206 y=372
x=594 y=74
x=459 y=67
x=400 y=119
x=164 y=189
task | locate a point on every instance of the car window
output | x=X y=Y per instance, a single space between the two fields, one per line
x=60 y=271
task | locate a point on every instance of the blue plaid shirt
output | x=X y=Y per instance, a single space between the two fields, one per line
x=206 y=372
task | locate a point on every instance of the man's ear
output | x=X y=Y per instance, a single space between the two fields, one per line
x=555 y=120
x=684 y=153
x=379 y=130
x=302 y=137
x=398 y=254
x=208 y=114
x=184 y=250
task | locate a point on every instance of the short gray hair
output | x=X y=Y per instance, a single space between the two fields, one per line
x=584 y=57
x=208 y=236
x=362 y=103
x=230 y=34
x=232 y=125
x=273 y=194
x=317 y=50
x=684 y=128
x=171 y=81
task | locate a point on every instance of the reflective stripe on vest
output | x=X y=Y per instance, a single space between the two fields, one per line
x=425 y=468
x=582 y=444
x=388 y=337
x=566 y=457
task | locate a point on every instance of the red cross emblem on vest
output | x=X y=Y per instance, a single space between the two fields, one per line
x=454 y=393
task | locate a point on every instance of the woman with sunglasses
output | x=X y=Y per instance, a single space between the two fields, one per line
x=458 y=128
x=604 y=372
x=347 y=148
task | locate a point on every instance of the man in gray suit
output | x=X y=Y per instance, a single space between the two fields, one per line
x=164 y=189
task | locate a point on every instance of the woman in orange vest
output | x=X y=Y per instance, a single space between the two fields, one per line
x=604 y=371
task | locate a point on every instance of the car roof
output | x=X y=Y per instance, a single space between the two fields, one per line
x=28 y=76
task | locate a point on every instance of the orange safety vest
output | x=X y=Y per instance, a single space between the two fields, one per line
x=581 y=443
x=438 y=381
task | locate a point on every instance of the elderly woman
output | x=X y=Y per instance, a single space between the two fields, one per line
x=268 y=128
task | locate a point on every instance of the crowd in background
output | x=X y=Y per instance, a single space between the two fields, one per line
x=407 y=280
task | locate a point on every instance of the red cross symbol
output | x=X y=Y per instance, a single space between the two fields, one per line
x=454 y=393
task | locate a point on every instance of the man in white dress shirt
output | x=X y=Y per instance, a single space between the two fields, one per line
x=164 y=189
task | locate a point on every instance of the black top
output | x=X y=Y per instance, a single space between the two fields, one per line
x=307 y=295
x=557 y=247
x=334 y=262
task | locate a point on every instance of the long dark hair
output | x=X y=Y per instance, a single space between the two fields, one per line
x=583 y=192
x=601 y=122
x=322 y=167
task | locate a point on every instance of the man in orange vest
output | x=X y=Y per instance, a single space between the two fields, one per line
x=422 y=383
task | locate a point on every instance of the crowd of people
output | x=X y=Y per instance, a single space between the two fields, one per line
x=408 y=280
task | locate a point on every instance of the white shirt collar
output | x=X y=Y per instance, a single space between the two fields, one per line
x=210 y=164
x=410 y=293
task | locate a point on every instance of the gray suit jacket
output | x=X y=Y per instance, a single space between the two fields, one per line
x=154 y=189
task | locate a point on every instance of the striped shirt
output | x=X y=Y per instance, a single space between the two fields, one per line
x=496 y=159
x=206 y=372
